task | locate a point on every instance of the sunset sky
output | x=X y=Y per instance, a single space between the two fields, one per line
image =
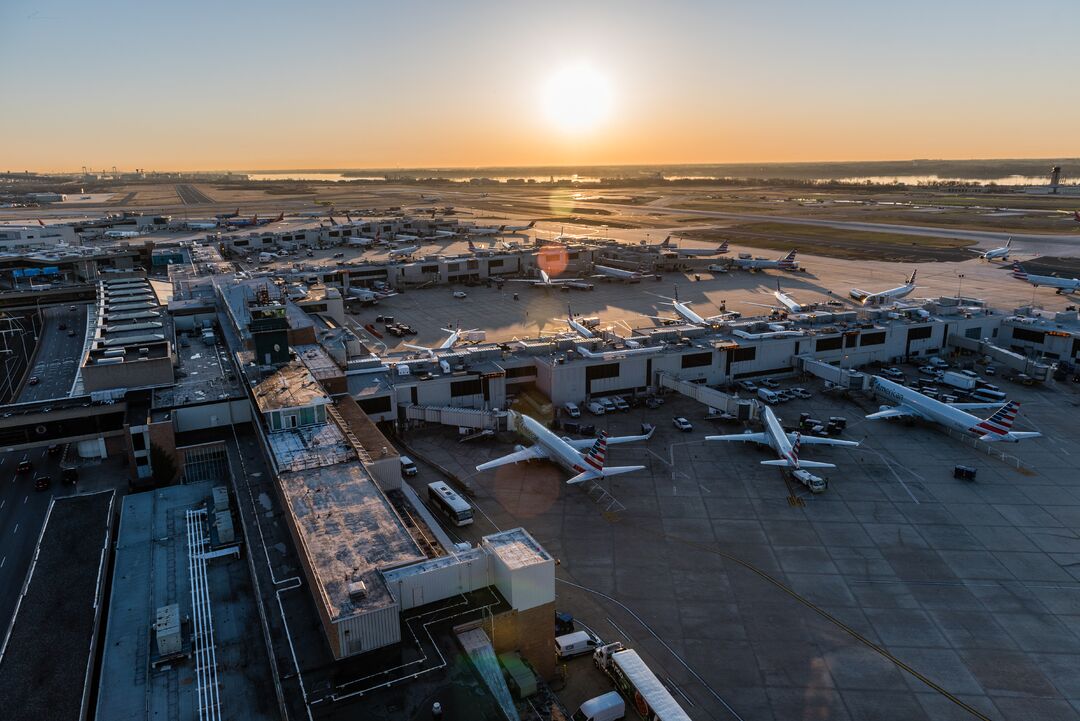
x=260 y=85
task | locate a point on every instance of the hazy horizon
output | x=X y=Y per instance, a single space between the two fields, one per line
x=275 y=86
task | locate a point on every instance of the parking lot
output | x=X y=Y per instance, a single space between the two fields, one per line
x=900 y=592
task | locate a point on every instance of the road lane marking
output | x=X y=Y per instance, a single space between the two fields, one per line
x=16 y=529
x=3 y=562
x=26 y=499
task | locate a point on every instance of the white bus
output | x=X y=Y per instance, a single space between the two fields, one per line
x=456 y=509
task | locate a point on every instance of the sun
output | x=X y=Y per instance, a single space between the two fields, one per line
x=577 y=98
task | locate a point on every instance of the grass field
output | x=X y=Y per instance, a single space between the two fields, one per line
x=835 y=243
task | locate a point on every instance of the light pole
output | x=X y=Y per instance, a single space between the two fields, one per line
x=960 y=285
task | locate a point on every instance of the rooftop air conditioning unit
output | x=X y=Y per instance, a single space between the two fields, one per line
x=357 y=590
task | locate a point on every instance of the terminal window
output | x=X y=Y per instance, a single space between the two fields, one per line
x=696 y=360
x=919 y=333
x=872 y=338
x=606 y=370
x=744 y=354
x=1031 y=336
x=465 y=388
x=375 y=405
x=829 y=344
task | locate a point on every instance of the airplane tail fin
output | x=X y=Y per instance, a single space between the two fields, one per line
x=911 y=280
x=788 y=261
x=569 y=312
x=723 y=247
x=666 y=243
x=348 y=218
x=530 y=225
x=1018 y=271
x=471 y=246
x=39 y=222
x=598 y=453
x=332 y=221
x=1000 y=422
x=1008 y=243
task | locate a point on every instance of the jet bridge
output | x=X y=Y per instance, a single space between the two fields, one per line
x=460 y=417
x=842 y=377
x=742 y=408
x=1001 y=356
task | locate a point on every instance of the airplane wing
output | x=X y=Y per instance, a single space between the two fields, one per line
x=858 y=294
x=818 y=440
x=977 y=406
x=531 y=453
x=583 y=443
x=896 y=412
x=761 y=438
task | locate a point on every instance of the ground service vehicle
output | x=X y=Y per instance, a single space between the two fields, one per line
x=768 y=396
x=682 y=424
x=456 y=509
x=637 y=684
x=576 y=644
x=958 y=380
x=572 y=410
x=608 y=707
x=408 y=467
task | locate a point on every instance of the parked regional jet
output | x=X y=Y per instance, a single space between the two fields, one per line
x=403 y=252
x=1002 y=252
x=585 y=457
x=226 y=216
x=786 y=301
x=518 y=228
x=367 y=296
x=579 y=328
x=786 y=445
x=786 y=263
x=912 y=404
x=630 y=276
x=692 y=252
x=201 y=224
x=1065 y=286
x=121 y=234
x=480 y=230
x=683 y=309
x=665 y=244
x=867 y=298
x=547 y=282
x=447 y=344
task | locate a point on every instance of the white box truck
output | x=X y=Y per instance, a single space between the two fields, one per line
x=959 y=380
x=608 y=707
x=638 y=684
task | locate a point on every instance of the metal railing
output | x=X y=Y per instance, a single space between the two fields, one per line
x=206 y=680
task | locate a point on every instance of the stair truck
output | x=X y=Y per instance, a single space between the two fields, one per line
x=638 y=685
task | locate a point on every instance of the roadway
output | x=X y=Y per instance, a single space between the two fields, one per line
x=57 y=360
x=22 y=514
x=190 y=195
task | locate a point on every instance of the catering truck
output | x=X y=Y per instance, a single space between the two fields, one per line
x=638 y=685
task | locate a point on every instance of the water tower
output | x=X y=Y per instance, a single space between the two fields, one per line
x=1055 y=178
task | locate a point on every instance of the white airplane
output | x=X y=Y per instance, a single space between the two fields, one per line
x=692 y=252
x=584 y=457
x=366 y=296
x=445 y=234
x=868 y=298
x=786 y=445
x=405 y=238
x=1002 y=252
x=665 y=244
x=786 y=301
x=201 y=224
x=578 y=327
x=1065 y=286
x=786 y=263
x=447 y=344
x=119 y=234
x=683 y=309
x=912 y=404
x=518 y=228
x=480 y=230
x=547 y=282
x=630 y=276
x=404 y=252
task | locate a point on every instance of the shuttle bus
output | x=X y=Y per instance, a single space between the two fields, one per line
x=456 y=509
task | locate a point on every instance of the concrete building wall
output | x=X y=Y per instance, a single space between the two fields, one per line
x=436 y=584
x=211 y=415
x=530 y=633
x=134 y=374
x=368 y=631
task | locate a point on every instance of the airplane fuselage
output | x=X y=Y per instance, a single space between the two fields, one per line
x=941 y=413
x=557 y=449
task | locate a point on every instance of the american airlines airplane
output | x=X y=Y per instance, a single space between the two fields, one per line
x=403 y=252
x=912 y=404
x=1065 y=286
x=868 y=298
x=447 y=344
x=121 y=234
x=579 y=328
x=692 y=252
x=786 y=445
x=1002 y=252
x=479 y=230
x=518 y=228
x=585 y=457
x=368 y=297
x=630 y=276
x=788 y=262
x=683 y=309
x=547 y=282
x=786 y=301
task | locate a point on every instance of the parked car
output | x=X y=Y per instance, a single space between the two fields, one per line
x=989 y=370
x=71 y=333
x=408 y=467
x=748 y=386
x=768 y=396
x=620 y=403
x=893 y=374
x=25 y=465
x=42 y=483
x=653 y=402
x=69 y=476
x=572 y=410
x=769 y=383
x=576 y=644
x=33 y=381
x=682 y=424
x=55 y=449
x=460 y=294
x=596 y=408
x=608 y=404
x=801 y=393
